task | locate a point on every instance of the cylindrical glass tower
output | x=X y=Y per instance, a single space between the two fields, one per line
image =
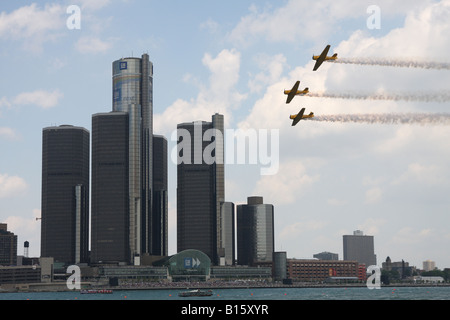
x=132 y=93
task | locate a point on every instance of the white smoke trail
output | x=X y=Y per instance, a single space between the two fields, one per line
x=418 y=96
x=389 y=118
x=394 y=63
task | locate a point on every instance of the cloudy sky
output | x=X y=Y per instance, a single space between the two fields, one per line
x=390 y=180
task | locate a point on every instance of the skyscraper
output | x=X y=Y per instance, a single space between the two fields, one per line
x=255 y=232
x=8 y=246
x=110 y=192
x=226 y=234
x=133 y=94
x=65 y=194
x=200 y=185
x=359 y=247
x=129 y=206
x=160 y=197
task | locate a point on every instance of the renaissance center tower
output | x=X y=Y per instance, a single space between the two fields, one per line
x=133 y=94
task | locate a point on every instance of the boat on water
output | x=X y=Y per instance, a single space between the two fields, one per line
x=95 y=291
x=196 y=293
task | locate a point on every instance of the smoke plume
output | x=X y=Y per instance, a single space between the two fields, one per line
x=389 y=118
x=394 y=63
x=405 y=96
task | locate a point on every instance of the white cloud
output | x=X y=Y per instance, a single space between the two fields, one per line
x=41 y=98
x=285 y=186
x=272 y=69
x=89 y=45
x=372 y=226
x=218 y=95
x=33 y=25
x=422 y=174
x=11 y=186
x=92 y=5
x=373 y=195
x=300 y=21
x=7 y=133
x=300 y=228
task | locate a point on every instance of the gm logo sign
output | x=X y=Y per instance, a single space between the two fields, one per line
x=191 y=263
x=123 y=65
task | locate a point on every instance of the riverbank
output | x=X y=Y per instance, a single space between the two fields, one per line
x=62 y=287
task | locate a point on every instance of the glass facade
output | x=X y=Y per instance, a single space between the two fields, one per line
x=189 y=263
x=200 y=186
x=132 y=93
x=65 y=194
x=359 y=247
x=255 y=232
x=110 y=200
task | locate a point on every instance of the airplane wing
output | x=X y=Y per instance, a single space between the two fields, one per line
x=321 y=58
x=298 y=117
x=293 y=92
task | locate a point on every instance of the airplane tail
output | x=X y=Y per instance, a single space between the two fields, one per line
x=335 y=55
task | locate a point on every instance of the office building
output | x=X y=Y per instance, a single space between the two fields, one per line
x=326 y=256
x=255 y=232
x=305 y=270
x=160 y=197
x=200 y=185
x=8 y=246
x=133 y=94
x=110 y=192
x=226 y=234
x=359 y=247
x=429 y=265
x=129 y=205
x=65 y=194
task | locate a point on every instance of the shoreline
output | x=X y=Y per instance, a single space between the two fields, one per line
x=192 y=286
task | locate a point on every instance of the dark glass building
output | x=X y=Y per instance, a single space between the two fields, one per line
x=255 y=232
x=110 y=192
x=133 y=94
x=200 y=185
x=65 y=194
x=129 y=171
x=8 y=246
x=160 y=197
x=359 y=247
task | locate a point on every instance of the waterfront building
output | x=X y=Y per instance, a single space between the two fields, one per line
x=200 y=186
x=65 y=194
x=226 y=234
x=255 y=232
x=110 y=192
x=310 y=270
x=8 y=246
x=359 y=247
x=326 y=256
x=429 y=265
x=160 y=218
x=129 y=208
x=133 y=93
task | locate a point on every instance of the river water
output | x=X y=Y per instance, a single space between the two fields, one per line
x=244 y=294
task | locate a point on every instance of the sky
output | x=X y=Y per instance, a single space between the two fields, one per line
x=347 y=169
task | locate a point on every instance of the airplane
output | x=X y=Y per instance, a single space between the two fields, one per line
x=294 y=91
x=323 y=57
x=297 y=117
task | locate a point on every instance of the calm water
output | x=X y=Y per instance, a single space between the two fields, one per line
x=360 y=293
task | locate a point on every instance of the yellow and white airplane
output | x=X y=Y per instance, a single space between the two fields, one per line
x=323 y=57
x=294 y=91
x=297 y=117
